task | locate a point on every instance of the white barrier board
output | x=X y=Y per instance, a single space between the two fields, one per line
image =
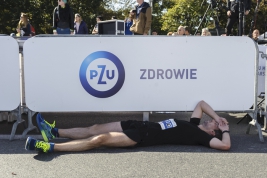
x=138 y=73
x=261 y=69
x=9 y=74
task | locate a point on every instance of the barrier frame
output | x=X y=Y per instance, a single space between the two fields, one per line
x=22 y=108
x=17 y=111
x=252 y=112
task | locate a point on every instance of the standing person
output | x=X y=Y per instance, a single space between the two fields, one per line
x=205 y=32
x=187 y=30
x=154 y=32
x=80 y=26
x=24 y=27
x=233 y=13
x=180 y=31
x=213 y=133
x=256 y=35
x=129 y=22
x=142 y=19
x=63 y=18
x=95 y=30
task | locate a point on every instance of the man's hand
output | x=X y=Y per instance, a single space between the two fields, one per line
x=223 y=126
x=221 y=120
x=246 y=12
x=228 y=13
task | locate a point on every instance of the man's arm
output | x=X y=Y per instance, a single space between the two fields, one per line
x=201 y=107
x=228 y=7
x=225 y=144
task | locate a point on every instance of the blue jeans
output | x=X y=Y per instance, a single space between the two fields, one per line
x=63 y=31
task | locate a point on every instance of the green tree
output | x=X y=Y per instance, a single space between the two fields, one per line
x=41 y=13
x=158 y=9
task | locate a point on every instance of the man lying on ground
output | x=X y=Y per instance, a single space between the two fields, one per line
x=213 y=133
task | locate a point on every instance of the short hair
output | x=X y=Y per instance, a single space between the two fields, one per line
x=186 y=28
x=256 y=30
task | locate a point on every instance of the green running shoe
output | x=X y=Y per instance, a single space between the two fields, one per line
x=45 y=128
x=33 y=144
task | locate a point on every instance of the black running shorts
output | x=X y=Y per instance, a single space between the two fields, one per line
x=135 y=130
x=143 y=132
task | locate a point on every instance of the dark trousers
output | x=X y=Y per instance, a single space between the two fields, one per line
x=230 y=22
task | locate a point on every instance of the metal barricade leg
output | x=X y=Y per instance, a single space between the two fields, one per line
x=30 y=125
x=254 y=122
x=22 y=84
x=145 y=116
x=265 y=124
x=253 y=115
x=15 y=125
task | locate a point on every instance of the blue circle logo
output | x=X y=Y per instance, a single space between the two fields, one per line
x=93 y=73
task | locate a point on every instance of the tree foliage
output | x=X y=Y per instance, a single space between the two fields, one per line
x=191 y=12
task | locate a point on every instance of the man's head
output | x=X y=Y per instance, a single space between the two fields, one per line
x=255 y=34
x=212 y=128
x=187 y=30
x=180 y=30
x=205 y=32
x=154 y=32
x=62 y=2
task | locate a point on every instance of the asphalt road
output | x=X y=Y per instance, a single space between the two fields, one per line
x=247 y=157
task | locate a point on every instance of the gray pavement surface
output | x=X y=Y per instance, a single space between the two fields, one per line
x=247 y=157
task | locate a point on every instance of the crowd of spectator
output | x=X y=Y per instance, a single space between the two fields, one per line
x=185 y=30
x=138 y=22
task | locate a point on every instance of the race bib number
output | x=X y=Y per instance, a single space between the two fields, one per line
x=167 y=124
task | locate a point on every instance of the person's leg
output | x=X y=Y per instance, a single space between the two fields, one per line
x=82 y=133
x=111 y=139
x=49 y=131
x=230 y=23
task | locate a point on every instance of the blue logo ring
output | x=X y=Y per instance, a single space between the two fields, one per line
x=112 y=58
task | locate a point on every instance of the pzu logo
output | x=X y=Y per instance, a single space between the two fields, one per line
x=102 y=74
